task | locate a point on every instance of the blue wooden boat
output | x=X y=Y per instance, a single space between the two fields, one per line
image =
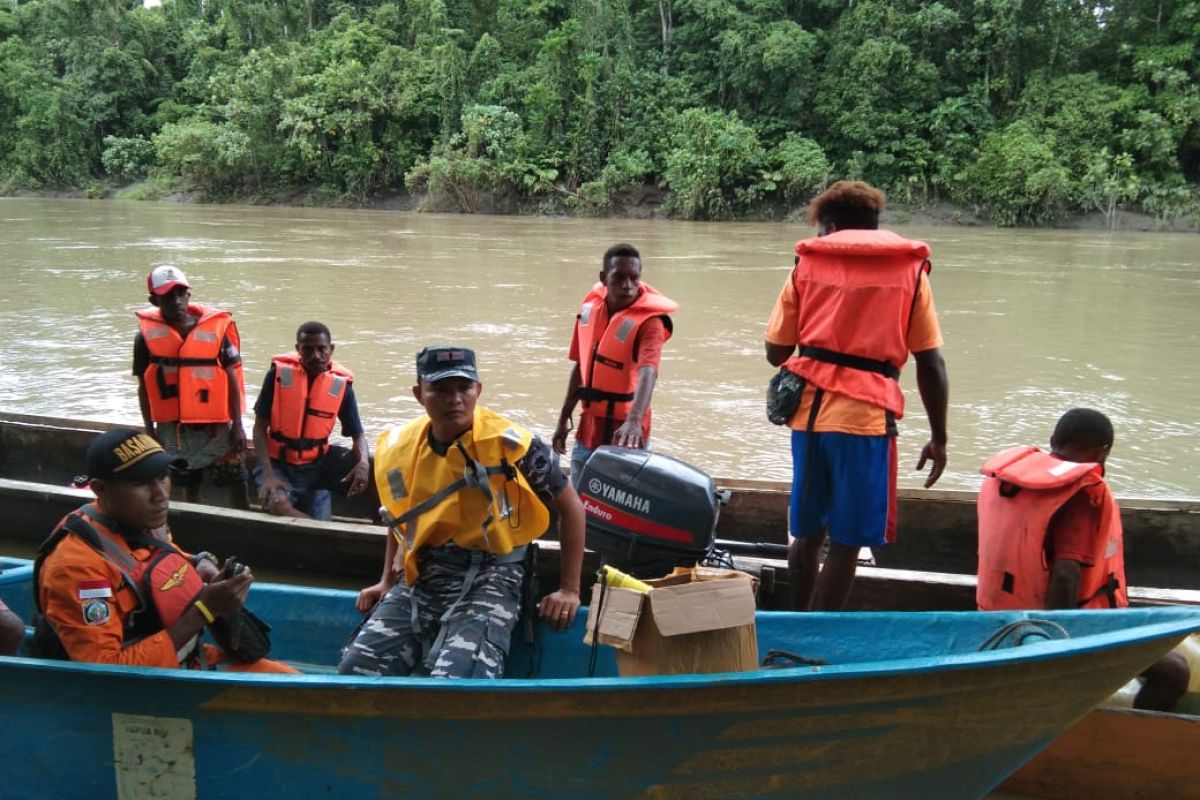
x=907 y=706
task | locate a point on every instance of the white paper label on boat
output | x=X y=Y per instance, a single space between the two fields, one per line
x=153 y=757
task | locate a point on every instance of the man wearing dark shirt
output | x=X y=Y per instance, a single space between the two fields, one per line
x=302 y=394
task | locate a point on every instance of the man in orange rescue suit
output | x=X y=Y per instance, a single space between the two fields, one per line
x=616 y=347
x=188 y=363
x=302 y=396
x=110 y=586
x=856 y=304
x=1050 y=536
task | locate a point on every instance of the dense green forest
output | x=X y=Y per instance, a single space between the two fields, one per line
x=1025 y=110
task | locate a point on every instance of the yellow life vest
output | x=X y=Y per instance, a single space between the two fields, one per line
x=474 y=495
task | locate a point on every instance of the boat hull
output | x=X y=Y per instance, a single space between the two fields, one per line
x=886 y=737
x=907 y=706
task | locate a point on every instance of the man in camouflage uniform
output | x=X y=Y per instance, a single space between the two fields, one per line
x=466 y=491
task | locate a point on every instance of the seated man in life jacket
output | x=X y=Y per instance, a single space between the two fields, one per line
x=857 y=302
x=465 y=491
x=188 y=363
x=1050 y=536
x=12 y=631
x=619 y=335
x=303 y=394
x=110 y=586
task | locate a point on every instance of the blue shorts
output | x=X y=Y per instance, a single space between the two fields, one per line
x=851 y=490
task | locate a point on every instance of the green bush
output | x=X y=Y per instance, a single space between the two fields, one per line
x=127 y=158
x=713 y=165
x=800 y=167
x=1018 y=178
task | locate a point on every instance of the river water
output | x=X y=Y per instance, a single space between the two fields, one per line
x=1035 y=321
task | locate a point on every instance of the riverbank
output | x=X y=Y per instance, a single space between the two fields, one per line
x=646 y=202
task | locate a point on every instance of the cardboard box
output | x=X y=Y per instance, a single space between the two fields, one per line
x=696 y=622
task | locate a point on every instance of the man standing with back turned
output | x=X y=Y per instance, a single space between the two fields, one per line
x=856 y=304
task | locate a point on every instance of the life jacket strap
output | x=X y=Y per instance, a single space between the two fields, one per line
x=588 y=394
x=143 y=621
x=1108 y=589
x=298 y=444
x=885 y=368
x=437 y=497
x=169 y=361
x=611 y=363
x=477 y=562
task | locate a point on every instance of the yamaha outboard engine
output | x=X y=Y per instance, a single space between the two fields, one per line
x=647 y=513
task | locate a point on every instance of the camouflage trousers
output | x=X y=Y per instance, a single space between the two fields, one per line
x=441 y=626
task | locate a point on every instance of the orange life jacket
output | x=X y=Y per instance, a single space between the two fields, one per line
x=163 y=579
x=856 y=289
x=303 y=416
x=606 y=354
x=185 y=380
x=1023 y=490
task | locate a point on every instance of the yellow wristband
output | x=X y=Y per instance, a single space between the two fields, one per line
x=203 y=609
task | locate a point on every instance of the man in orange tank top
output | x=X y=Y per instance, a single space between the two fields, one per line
x=856 y=304
x=215 y=448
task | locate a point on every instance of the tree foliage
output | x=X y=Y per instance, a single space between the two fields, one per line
x=1028 y=111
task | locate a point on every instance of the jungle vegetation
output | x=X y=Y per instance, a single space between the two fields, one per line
x=1026 y=110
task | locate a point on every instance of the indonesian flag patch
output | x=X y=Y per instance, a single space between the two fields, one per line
x=91 y=590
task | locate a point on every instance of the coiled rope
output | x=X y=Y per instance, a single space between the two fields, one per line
x=1015 y=634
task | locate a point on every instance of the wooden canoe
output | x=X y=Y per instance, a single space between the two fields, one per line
x=347 y=553
x=907 y=705
x=937 y=528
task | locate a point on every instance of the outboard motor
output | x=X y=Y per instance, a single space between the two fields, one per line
x=647 y=513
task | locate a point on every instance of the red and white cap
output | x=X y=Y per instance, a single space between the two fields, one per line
x=166 y=277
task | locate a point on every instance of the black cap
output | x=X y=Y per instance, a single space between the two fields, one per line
x=129 y=456
x=438 y=362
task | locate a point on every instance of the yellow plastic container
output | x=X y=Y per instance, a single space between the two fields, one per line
x=614 y=577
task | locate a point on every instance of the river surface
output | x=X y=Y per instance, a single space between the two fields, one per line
x=1035 y=322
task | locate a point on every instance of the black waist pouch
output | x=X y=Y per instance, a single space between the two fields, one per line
x=245 y=638
x=783 y=396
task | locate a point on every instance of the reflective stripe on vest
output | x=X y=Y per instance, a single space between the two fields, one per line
x=1023 y=490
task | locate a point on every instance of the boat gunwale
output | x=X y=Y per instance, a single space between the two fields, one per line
x=1184 y=620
